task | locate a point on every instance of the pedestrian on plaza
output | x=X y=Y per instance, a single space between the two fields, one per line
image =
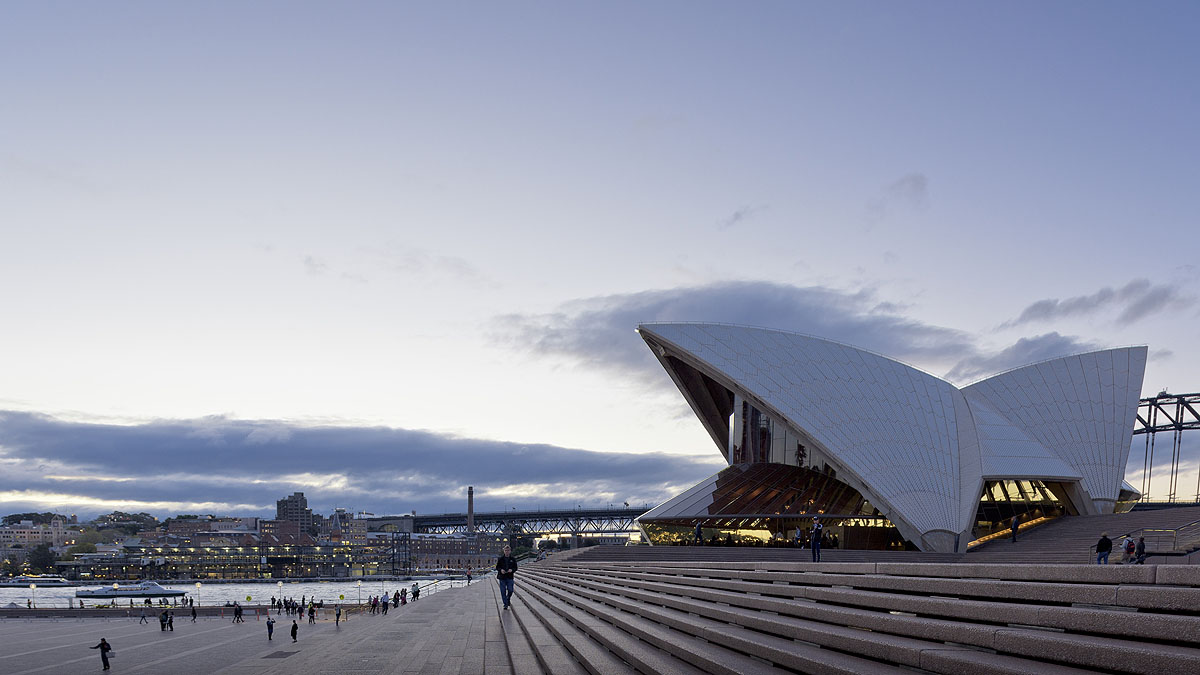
x=416 y=590
x=817 y=529
x=698 y=539
x=1140 y=551
x=396 y=599
x=312 y=613
x=143 y=619
x=171 y=621
x=193 y=614
x=337 y=615
x=506 y=567
x=384 y=603
x=162 y=621
x=295 y=630
x=1103 y=548
x=1016 y=522
x=799 y=537
x=105 y=651
x=270 y=627
x=404 y=596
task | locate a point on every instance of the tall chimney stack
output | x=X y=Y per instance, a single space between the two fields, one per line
x=471 y=509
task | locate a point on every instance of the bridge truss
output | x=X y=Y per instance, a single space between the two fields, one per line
x=1167 y=413
x=536 y=523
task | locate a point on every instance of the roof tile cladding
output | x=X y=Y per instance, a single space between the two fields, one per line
x=1092 y=436
x=893 y=438
x=918 y=443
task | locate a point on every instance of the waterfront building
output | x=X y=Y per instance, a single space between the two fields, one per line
x=279 y=527
x=890 y=456
x=27 y=533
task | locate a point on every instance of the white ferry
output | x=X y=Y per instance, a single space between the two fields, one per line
x=39 y=579
x=142 y=589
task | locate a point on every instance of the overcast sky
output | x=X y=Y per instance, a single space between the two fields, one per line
x=378 y=251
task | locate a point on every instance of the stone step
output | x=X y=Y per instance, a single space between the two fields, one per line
x=851 y=631
x=587 y=648
x=521 y=652
x=1090 y=651
x=1059 y=573
x=1152 y=627
x=1148 y=597
x=552 y=657
x=714 y=646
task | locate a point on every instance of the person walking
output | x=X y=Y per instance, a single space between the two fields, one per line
x=1140 y=551
x=105 y=650
x=193 y=614
x=295 y=630
x=162 y=621
x=1103 y=548
x=337 y=615
x=817 y=529
x=171 y=621
x=416 y=591
x=506 y=568
x=1016 y=523
x=270 y=627
x=143 y=619
x=312 y=613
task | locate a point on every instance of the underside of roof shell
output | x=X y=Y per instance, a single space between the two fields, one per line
x=915 y=444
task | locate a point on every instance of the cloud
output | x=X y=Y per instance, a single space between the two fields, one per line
x=415 y=262
x=221 y=465
x=1132 y=302
x=1023 y=352
x=314 y=266
x=597 y=332
x=910 y=192
x=741 y=214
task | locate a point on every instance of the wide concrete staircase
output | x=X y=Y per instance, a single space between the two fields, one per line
x=587 y=615
x=1070 y=540
x=763 y=553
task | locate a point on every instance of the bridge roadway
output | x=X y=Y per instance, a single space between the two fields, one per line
x=567 y=521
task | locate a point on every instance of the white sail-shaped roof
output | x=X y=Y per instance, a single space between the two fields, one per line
x=915 y=444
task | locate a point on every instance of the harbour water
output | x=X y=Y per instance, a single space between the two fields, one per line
x=251 y=592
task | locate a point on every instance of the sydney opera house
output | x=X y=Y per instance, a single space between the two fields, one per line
x=890 y=456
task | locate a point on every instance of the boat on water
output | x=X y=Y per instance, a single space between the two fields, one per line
x=39 y=579
x=142 y=589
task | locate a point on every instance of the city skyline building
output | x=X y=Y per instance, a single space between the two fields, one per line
x=294 y=507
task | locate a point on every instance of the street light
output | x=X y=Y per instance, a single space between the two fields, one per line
x=359 y=584
x=197 y=592
x=280 y=585
x=33 y=590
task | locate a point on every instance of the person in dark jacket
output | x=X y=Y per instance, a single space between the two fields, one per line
x=1103 y=548
x=295 y=630
x=104 y=648
x=506 y=567
x=1140 y=551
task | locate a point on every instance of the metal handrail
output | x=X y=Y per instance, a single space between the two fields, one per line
x=1162 y=538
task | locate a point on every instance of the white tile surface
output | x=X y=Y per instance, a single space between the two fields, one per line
x=918 y=444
